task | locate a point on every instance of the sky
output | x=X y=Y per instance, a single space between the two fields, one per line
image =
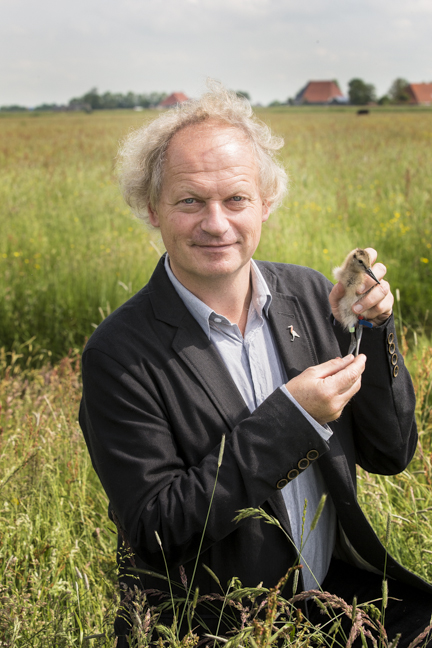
x=52 y=50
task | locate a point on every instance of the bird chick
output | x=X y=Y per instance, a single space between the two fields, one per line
x=352 y=274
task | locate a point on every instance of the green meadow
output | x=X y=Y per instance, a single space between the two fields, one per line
x=71 y=252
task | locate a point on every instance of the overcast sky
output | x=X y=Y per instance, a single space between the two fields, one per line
x=52 y=50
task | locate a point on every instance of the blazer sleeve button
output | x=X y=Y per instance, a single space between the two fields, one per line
x=293 y=474
x=392 y=348
x=303 y=463
x=395 y=371
x=394 y=359
x=281 y=483
x=390 y=338
x=312 y=455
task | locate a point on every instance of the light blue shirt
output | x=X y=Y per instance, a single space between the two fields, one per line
x=254 y=364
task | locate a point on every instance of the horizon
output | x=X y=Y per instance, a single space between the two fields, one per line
x=168 y=93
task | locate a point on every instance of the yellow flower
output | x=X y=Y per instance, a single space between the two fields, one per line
x=325 y=251
x=424 y=260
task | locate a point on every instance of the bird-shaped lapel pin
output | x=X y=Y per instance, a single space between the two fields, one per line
x=352 y=274
x=294 y=335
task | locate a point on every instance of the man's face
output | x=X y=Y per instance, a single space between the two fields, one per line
x=210 y=211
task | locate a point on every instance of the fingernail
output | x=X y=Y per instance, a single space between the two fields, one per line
x=361 y=288
x=358 y=308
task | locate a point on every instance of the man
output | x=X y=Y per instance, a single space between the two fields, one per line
x=219 y=345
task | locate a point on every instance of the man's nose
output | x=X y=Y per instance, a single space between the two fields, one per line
x=214 y=220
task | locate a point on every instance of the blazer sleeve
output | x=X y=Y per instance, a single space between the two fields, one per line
x=383 y=411
x=137 y=454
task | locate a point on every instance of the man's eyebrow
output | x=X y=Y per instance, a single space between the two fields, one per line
x=240 y=186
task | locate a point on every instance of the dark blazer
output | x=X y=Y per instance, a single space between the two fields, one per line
x=157 y=400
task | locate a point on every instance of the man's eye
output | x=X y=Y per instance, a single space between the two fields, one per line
x=189 y=201
x=237 y=198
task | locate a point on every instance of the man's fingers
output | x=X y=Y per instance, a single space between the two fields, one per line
x=345 y=380
x=325 y=389
x=374 y=296
x=337 y=366
x=372 y=254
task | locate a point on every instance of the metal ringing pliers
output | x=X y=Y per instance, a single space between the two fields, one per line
x=356 y=335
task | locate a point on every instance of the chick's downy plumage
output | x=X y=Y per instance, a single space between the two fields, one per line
x=352 y=274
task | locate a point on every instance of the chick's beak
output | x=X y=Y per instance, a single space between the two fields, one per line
x=371 y=274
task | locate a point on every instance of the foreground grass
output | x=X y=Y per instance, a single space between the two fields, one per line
x=70 y=251
x=57 y=546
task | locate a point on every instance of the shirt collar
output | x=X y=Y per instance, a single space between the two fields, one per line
x=261 y=297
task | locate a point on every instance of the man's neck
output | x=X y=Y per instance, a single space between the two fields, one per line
x=227 y=296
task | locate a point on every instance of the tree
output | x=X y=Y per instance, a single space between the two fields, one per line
x=92 y=99
x=243 y=95
x=361 y=93
x=398 y=92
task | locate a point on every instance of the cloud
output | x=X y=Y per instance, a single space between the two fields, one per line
x=53 y=50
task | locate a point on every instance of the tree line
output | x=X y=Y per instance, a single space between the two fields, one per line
x=92 y=100
x=360 y=93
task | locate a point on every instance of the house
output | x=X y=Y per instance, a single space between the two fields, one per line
x=173 y=100
x=420 y=94
x=320 y=93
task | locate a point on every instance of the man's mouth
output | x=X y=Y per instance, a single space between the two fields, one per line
x=214 y=246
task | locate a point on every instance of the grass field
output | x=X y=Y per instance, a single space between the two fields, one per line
x=70 y=252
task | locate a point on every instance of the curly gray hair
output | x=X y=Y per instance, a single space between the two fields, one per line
x=142 y=155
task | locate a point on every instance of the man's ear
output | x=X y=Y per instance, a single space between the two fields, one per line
x=153 y=217
x=266 y=206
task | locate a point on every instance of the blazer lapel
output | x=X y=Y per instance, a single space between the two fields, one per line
x=197 y=352
x=195 y=349
x=291 y=333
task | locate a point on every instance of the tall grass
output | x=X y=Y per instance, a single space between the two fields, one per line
x=70 y=251
x=57 y=571
x=57 y=546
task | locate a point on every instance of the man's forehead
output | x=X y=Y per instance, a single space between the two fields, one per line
x=204 y=139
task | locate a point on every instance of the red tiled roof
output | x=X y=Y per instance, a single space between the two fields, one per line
x=320 y=92
x=174 y=99
x=421 y=93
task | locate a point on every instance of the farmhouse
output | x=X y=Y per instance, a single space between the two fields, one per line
x=320 y=93
x=420 y=93
x=174 y=99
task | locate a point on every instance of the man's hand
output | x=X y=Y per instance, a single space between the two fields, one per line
x=325 y=389
x=378 y=302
